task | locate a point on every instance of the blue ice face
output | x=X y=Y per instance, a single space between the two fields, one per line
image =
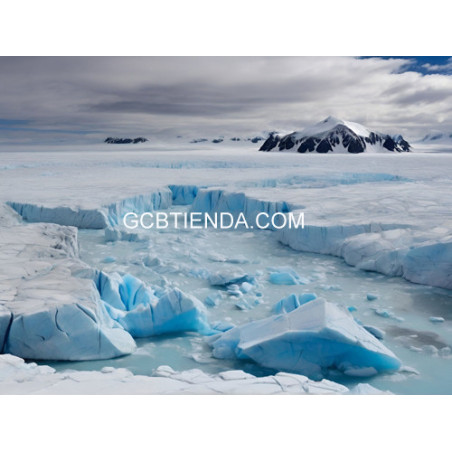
x=312 y=340
x=145 y=311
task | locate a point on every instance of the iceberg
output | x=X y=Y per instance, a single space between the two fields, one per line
x=434 y=319
x=58 y=308
x=144 y=311
x=225 y=280
x=50 y=313
x=313 y=339
x=292 y=302
x=69 y=332
x=285 y=276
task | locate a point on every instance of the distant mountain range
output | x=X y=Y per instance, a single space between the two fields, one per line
x=338 y=136
x=437 y=138
x=221 y=139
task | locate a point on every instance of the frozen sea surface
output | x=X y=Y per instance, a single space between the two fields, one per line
x=389 y=213
x=184 y=259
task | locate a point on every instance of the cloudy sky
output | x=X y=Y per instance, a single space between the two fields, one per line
x=75 y=99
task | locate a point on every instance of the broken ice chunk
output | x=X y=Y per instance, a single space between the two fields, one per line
x=285 y=276
x=143 y=311
x=246 y=287
x=212 y=300
x=312 y=340
x=222 y=326
x=292 y=302
x=436 y=319
x=226 y=279
x=242 y=305
x=108 y=259
x=387 y=314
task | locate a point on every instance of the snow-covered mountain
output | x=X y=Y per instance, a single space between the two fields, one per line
x=438 y=137
x=434 y=142
x=336 y=135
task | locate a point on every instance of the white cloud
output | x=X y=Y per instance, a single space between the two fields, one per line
x=439 y=67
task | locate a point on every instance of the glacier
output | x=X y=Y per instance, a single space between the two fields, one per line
x=313 y=339
x=391 y=248
x=389 y=215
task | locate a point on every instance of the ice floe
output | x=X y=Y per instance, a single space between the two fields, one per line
x=18 y=377
x=312 y=340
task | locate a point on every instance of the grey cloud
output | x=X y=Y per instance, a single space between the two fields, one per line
x=427 y=96
x=210 y=96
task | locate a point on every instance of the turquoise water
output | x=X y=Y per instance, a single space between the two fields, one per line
x=180 y=259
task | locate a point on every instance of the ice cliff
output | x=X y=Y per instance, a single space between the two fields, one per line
x=53 y=306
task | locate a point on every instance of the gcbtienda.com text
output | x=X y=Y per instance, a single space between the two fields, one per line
x=218 y=220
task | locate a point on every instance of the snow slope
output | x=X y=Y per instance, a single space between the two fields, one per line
x=434 y=143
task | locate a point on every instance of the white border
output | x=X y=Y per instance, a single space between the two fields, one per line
x=236 y=27
x=195 y=27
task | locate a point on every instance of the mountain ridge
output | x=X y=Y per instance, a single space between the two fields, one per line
x=333 y=134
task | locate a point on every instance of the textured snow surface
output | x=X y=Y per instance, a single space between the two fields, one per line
x=385 y=213
x=53 y=306
x=312 y=339
x=331 y=122
x=18 y=377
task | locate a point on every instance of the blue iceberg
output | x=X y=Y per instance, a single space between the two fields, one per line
x=145 y=311
x=316 y=338
x=285 y=276
x=292 y=302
